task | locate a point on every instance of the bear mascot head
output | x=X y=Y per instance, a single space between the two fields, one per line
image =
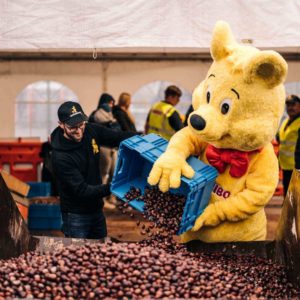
x=241 y=101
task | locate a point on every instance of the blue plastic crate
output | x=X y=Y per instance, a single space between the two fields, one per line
x=136 y=157
x=39 y=189
x=44 y=216
x=44 y=224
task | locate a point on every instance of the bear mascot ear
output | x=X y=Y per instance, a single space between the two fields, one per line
x=268 y=67
x=222 y=41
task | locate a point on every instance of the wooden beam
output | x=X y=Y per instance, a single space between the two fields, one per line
x=14 y=184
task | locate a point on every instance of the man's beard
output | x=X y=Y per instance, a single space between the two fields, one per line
x=71 y=137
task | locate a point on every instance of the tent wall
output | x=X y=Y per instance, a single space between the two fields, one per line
x=123 y=25
x=87 y=79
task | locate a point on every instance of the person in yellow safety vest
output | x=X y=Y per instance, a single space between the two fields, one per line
x=163 y=118
x=297 y=152
x=288 y=134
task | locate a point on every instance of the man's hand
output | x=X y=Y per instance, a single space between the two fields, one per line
x=105 y=190
x=168 y=169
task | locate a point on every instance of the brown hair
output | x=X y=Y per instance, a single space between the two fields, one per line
x=124 y=99
x=172 y=90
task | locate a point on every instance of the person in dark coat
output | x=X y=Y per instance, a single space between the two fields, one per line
x=103 y=113
x=103 y=116
x=75 y=161
x=47 y=170
x=123 y=115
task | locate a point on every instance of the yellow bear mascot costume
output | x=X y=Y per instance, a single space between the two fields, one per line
x=237 y=109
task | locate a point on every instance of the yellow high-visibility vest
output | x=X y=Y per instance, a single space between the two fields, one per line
x=288 y=139
x=158 y=120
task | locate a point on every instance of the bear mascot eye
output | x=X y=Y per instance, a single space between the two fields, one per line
x=225 y=106
x=208 y=96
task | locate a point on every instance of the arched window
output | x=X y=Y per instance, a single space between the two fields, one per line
x=292 y=88
x=147 y=95
x=36 y=108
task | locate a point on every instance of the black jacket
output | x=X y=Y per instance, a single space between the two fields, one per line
x=76 y=167
x=189 y=111
x=123 y=119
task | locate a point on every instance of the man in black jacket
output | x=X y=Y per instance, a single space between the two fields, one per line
x=75 y=159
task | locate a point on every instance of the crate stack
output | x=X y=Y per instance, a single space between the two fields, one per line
x=21 y=158
x=20 y=161
x=39 y=210
x=44 y=210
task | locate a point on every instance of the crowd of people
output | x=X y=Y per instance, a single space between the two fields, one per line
x=84 y=151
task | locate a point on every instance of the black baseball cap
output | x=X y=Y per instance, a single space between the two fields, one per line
x=292 y=99
x=71 y=113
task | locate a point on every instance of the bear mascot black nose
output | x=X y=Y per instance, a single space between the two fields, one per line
x=197 y=122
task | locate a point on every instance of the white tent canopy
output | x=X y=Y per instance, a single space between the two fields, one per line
x=145 y=25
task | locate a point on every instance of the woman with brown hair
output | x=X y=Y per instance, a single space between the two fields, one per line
x=122 y=114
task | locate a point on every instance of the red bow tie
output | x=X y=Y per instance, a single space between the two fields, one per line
x=220 y=158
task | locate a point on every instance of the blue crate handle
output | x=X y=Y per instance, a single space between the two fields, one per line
x=120 y=165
